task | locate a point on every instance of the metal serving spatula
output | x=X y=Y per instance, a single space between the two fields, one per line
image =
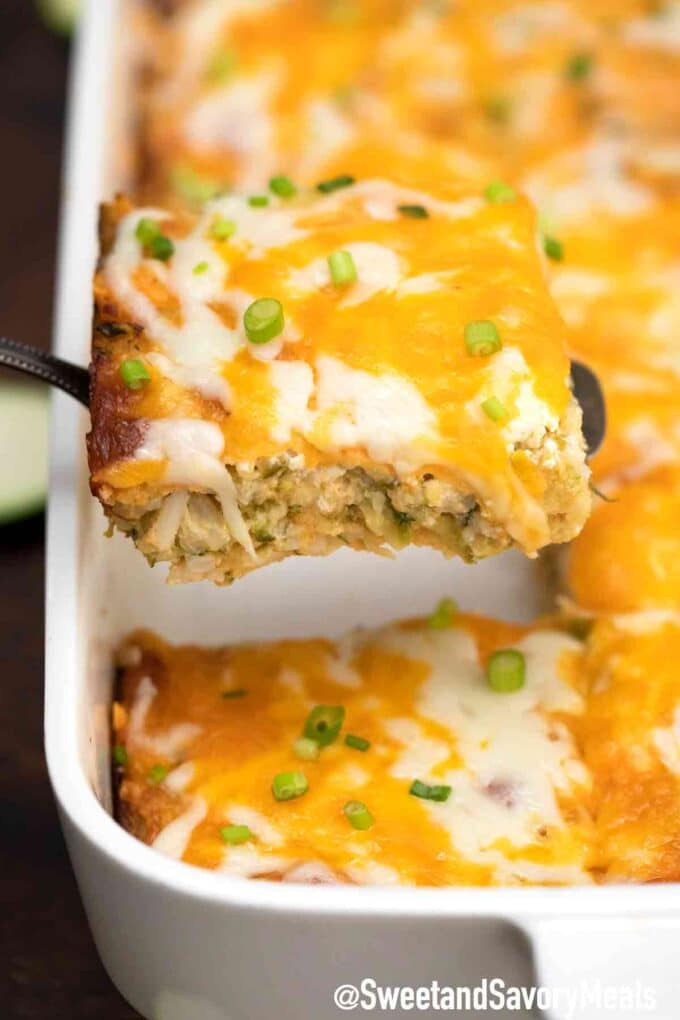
x=75 y=381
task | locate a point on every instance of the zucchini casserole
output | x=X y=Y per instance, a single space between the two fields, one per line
x=455 y=750
x=364 y=365
x=325 y=318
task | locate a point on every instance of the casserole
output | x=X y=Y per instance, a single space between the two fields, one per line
x=434 y=752
x=331 y=370
x=182 y=944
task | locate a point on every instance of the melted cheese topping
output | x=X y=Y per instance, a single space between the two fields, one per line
x=573 y=778
x=420 y=696
x=629 y=736
x=490 y=77
x=628 y=556
x=377 y=369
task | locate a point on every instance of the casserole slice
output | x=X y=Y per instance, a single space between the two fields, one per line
x=362 y=365
x=434 y=752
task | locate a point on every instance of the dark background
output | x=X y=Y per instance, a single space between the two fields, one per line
x=49 y=969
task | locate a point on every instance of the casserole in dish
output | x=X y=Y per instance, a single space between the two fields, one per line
x=183 y=942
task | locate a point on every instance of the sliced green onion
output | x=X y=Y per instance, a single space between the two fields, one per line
x=162 y=248
x=425 y=792
x=289 y=785
x=193 y=186
x=258 y=201
x=220 y=67
x=200 y=268
x=306 y=749
x=263 y=320
x=223 y=229
x=235 y=692
x=324 y=724
x=579 y=66
x=498 y=192
x=498 y=109
x=120 y=755
x=341 y=181
x=157 y=773
x=415 y=212
x=148 y=233
x=553 y=248
x=358 y=743
x=443 y=614
x=134 y=373
x=506 y=670
x=342 y=12
x=282 y=186
x=146 y=230
x=343 y=268
x=358 y=815
x=494 y=409
x=235 y=834
x=482 y=338
x=345 y=96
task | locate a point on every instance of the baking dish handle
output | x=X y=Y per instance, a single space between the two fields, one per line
x=614 y=966
x=71 y=378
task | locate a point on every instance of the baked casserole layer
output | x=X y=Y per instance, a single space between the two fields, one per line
x=478 y=752
x=423 y=399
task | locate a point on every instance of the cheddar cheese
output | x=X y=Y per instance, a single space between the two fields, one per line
x=363 y=364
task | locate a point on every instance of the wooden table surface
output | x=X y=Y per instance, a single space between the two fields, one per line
x=49 y=969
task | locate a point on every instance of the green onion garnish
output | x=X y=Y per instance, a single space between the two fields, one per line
x=220 y=67
x=235 y=692
x=258 y=201
x=358 y=743
x=425 y=792
x=162 y=248
x=289 y=785
x=579 y=66
x=415 y=212
x=482 y=338
x=236 y=834
x=358 y=815
x=146 y=230
x=192 y=186
x=498 y=109
x=494 y=409
x=134 y=373
x=342 y=267
x=200 y=268
x=157 y=773
x=148 y=233
x=306 y=749
x=222 y=229
x=324 y=724
x=498 y=192
x=282 y=186
x=120 y=755
x=553 y=248
x=341 y=181
x=506 y=670
x=263 y=320
x=443 y=614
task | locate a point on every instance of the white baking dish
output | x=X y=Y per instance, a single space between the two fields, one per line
x=186 y=944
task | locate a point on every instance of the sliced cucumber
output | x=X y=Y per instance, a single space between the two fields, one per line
x=23 y=450
x=60 y=15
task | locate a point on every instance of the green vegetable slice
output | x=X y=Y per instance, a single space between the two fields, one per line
x=23 y=450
